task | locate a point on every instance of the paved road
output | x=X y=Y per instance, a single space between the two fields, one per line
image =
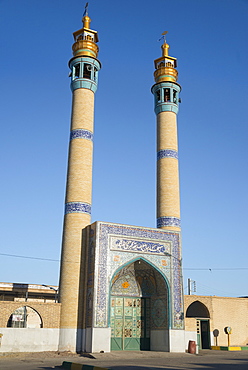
x=206 y=360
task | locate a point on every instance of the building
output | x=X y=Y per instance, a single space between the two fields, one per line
x=120 y=285
x=206 y=318
x=16 y=292
x=31 y=322
x=29 y=318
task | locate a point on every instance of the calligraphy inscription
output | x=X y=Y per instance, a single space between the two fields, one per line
x=139 y=246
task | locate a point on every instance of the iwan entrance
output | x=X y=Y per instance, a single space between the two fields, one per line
x=138 y=306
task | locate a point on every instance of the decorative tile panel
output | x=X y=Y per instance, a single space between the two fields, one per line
x=77 y=207
x=168 y=221
x=167 y=153
x=81 y=134
x=107 y=266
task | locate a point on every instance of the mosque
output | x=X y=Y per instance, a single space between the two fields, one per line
x=120 y=285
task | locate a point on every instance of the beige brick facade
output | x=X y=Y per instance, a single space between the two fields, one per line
x=79 y=189
x=49 y=312
x=223 y=311
x=168 y=196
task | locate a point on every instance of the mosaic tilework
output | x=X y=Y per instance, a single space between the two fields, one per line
x=77 y=207
x=104 y=273
x=126 y=284
x=168 y=221
x=90 y=279
x=81 y=134
x=159 y=313
x=177 y=286
x=167 y=153
x=138 y=246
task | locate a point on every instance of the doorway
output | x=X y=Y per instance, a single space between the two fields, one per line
x=138 y=304
x=203 y=337
x=201 y=313
x=130 y=329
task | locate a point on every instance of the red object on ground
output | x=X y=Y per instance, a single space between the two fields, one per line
x=192 y=347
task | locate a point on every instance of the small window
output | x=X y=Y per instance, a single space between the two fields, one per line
x=87 y=71
x=88 y=37
x=158 y=96
x=95 y=74
x=77 y=70
x=174 y=96
x=167 y=95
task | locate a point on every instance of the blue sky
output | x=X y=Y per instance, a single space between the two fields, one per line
x=209 y=38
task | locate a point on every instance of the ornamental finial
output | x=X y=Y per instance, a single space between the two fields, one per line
x=163 y=36
x=86 y=9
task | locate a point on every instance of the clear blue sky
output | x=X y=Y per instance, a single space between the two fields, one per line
x=209 y=38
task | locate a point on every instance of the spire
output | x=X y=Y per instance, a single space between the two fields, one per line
x=86 y=19
x=165 y=66
x=86 y=9
x=85 y=38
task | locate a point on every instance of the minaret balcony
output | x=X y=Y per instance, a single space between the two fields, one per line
x=84 y=73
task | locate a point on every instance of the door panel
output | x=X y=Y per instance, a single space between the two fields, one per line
x=205 y=340
x=129 y=325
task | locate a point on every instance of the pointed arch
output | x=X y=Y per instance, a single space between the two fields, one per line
x=25 y=317
x=197 y=309
x=146 y=261
x=139 y=304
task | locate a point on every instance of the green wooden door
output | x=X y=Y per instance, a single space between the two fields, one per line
x=130 y=325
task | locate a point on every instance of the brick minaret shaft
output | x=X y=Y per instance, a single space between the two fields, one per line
x=166 y=95
x=84 y=72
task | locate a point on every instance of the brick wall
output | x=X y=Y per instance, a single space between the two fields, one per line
x=49 y=312
x=224 y=311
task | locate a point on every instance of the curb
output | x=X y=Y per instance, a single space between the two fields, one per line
x=236 y=348
x=75 y=366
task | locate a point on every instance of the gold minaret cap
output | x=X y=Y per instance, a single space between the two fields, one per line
x=165 y=49
x=85 y=39
x=165 y=66
x=86 y=21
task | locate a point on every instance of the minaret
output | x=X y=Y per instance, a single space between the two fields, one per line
x=84 y=73
x=166 y=93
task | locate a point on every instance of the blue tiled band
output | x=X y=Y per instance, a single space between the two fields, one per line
x=77 y=207
x=167 y=153
x=166 y=107
x=81 y=134
x=83 y=83
x=168 y=221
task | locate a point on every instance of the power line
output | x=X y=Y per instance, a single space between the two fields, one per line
x=28 y=257
x=185 y=268
x=215 y=269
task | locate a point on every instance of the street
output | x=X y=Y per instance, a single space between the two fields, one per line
x=206 y=359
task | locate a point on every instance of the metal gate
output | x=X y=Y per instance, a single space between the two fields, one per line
x=130 y=323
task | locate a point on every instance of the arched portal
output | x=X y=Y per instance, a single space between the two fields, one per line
x=201 y=313
x=138 y=306
x=24 y=317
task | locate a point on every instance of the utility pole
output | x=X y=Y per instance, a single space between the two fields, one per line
x=190 y=290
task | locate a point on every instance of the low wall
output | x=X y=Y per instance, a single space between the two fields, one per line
x=29 y=340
